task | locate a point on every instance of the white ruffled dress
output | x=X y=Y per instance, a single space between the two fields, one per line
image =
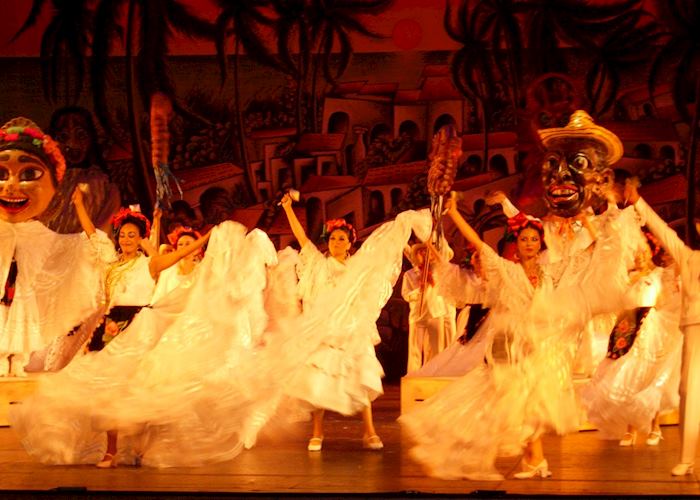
x=643 y=382
x=342 y=302
x=181 y=384
x=496 y=408
x=60 y=283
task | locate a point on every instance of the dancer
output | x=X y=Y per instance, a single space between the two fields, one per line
x=525 y=389
x=360 y=372
x=431 y=322
x=181 y=273
x=467 y=289
x=130 y=281
x=640 y=376
x=74 y=130
x=689 y=264
x=178 y=385
x=342 y=298
x=52 y=282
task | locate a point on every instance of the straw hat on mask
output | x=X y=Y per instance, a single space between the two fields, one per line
x=581 y=126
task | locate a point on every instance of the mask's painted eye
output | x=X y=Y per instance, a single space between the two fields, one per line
x=4 y=174
x=580 y=162
x=30 y=174
x=552 y=162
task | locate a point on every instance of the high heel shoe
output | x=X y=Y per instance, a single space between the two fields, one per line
x=109 y=461
x=530 y=471
x=654 y=437
x=315 y=444
x=682 y=469
x=372 y=442
x=628 y=439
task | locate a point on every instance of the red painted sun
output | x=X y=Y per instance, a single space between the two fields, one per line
x=407 y=34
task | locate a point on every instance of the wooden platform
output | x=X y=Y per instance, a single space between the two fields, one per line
x=13 y=390
x=581 y=465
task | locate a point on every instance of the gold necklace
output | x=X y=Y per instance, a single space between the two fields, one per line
x=116 y=273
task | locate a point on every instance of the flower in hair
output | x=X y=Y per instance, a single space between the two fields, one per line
x=521 y=221
x=334 y=224
x=179 y=231
x=120 y=217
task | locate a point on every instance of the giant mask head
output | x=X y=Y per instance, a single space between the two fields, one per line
x=31 y=166
x=74 y=130
x=576 y=171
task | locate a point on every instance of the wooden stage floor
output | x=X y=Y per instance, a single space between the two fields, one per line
x=581 y=465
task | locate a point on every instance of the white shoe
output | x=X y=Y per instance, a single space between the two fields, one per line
x=372 y=442
x=628 y=439
x=682 y=469
x=654 y=438
x=530 y=471
x=315 y=444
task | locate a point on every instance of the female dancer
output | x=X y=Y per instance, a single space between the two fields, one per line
x=689 y=263
x=525 y=389
x=129 y=282
x=177 y=384
x=174 y=276
x=634 y=383
x=342 y=371
x=51 y=283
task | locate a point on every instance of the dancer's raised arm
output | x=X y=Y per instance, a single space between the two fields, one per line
x=467 y=231
x=294 y=223
x=78 y=202
x=159 y=263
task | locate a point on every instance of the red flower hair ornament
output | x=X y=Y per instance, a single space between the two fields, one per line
x=175 y=235
x=521 y=221
x=334 y=224
x=121 y=216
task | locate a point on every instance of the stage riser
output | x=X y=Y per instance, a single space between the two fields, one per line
x=14 y=390
x=414 y=390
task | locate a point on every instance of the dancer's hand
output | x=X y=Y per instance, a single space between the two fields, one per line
x=157 y=213
x=495 y=198
x=630 y=193
x=78 y=196
x=450 y=206
x=286 y=201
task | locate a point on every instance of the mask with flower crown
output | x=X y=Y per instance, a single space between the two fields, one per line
x=31 y=166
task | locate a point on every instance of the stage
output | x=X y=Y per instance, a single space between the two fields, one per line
x=581 y=465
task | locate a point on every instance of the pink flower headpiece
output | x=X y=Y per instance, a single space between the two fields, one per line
x=23 y=134
x=120 y=217
x=179 y=231
x=334 y=224
x=521 y=221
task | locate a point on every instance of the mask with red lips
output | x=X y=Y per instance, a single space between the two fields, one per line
x=575 y=176
x=576 y=171
x=31 y=166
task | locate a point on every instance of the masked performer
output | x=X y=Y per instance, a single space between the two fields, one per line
x=527 y=388
x=689 y=264
x=343 y=296
x=640 y=376
x=74 y=130
x=52 y=282
x=431 y=321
